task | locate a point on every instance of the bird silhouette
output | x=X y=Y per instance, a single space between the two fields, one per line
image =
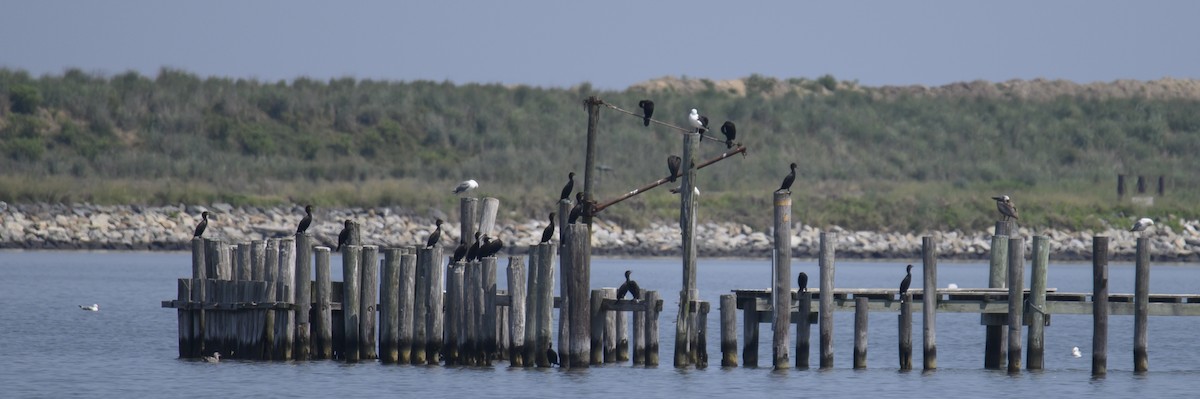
x=1008 y=210
x=787 y=181
x=730 y=131
x=344 y=236
x=548 y=233
x=647 y=110
x=435 y=236
x=673 y=165
x=304 y=223
x=566 y=191
x=202 y=225
x=802 y=282
x=629 y=286
x=906 y=282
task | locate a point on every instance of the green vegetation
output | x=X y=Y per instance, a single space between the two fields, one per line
x=903 y=162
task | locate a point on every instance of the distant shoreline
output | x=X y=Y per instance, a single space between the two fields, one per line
x=169 y=228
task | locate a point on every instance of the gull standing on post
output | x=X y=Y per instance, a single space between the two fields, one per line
x=1142 y=224
x=466 y=186
x=700 y=122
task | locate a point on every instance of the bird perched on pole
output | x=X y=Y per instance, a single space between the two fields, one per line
x=906 y=282
x=465 y=186
x=700 y=122
x=570 y=186
x=629 y=286
x=647 y=111
x=730 y=131
x=460 y=252
x=1007 y=209
x=802 y=282
x=673 y=164
x=787 y=181
x=548 y=233
x=344 y=236
x=473 y=251
x=1142 y=224
x=202 y=225
x=307 y=221
x=435 y=236
x=577 y=210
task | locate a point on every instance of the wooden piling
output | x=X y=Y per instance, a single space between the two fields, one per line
x=323 y=316
x=453 y=317
x=1141 y=302
x=596 y=354
x=468 y=213
x=271 y=275
x=488 y=310
x=580 y=301
x=1099 y=305
x=285 y=321
x=351 y=295
x=826 y=309
x=930 y=298
x=750 y=329
x=389 y=301
x=1016 y=301
x=516 y=293
x=303 y=284
x=545 y=302
x=728 y=331
x=905 y=335
x=186 y=339
x=471 y=347
x=688 y=294
x=1035 y=357
x=621 y=323
x=420 y=320
x=199 y=274
x=803 y=330
x=502 y=329
x=405 y=299
x=639 y=338
x=781 y=291
x=609 y=321
x=258 y=249
x=532 y=307
x=860 y=332
x=368 y=302
x=434 y=313
x=995 y=345
x=652 y=297
x=564 y=282
x=700 y=347
x=244 y=270
x=487 y=219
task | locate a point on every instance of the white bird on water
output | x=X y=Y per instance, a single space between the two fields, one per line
x=1142 y=224
x=466 y=186
x=1075 y=352
x=952 y=286
x=92 y=308
x=215 y=358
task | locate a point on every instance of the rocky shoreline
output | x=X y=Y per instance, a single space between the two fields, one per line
x=169 y=228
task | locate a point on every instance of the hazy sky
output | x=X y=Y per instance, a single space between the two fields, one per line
x=611 y=44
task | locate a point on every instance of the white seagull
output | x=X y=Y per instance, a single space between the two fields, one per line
x=694 y=190
x=215 y=358
x=1075 y=352
x=698 y=121
x=466 y=186
x=952 y=286
x=92 y=308
x=1142 y=224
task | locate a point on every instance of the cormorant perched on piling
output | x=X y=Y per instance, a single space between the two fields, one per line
x=906 y=282
x=548 y=233
x=551 y=355
x=202 y=225
x=576 y=211
x=490 y=247
x=460 y=252
x=700 y=122
x=787 y=181
x=647 y=110
x=465 y=186
x=1007 y=208
x=566 y=191
x=437 y=235
x=629 y=286
x=473 y=251
x=730 y=131
x=304 y=223
x=802 y=282
x=344 y=236
x=673 y=165
x=1142 y=224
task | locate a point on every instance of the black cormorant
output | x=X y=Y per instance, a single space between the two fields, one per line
x=1006 y=207
x=460 y=252
x=548 y=233
x=576 y=211
x=566 y=191
x=437 y=235
x=787 y=181
x=202 y=225
x=802 y=282
x=473 y=251
x=629 y=286
x=906 y=282
x=673 y=165
x=490 y=247
x=304 y=223
x=730 y=133
x=647 y=110
x=344 y=236
x=551 y=355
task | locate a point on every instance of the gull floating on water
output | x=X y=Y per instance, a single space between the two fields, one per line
x=1075 y=352
x=93 y=307
x=1142 y=224
x=466 y=186
x=215 y=358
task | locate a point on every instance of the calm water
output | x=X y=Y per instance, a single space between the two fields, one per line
x=53 y=349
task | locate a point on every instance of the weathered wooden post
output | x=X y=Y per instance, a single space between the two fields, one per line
x=199 y=274
x=621 y=324
x=435 y=317
x=652 y=310
x=472 y=291
x=258 y=249
x=728 y=331
x=596 y=354
x=1099 y=305
x=1035 y=358
x=271 y=275
x=186 y=340
x=906 y=347
x=996 y=335
x=609 y=320
x=368 y=302
x=406 y=297
x=803 y=330
x=1141 y=302
x=929 y=296
x=286 y=325
x=826 y=312
x=564 y=292
x=516 y=293
x=420 y=320
x=323 y=317
x=488 y=303
x=860 y=331
x=1016 y=301
x=303 y=284
x=468 y=213
x=580 y=301
x=351 y=265
x=545 y=302
x=639 y=338
x=487 y=220
x=531 y=283
x=244 y=270
x=781 y=290
x=700 y=347
x=389 y=301
x=688 y=294
x=750 y=319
